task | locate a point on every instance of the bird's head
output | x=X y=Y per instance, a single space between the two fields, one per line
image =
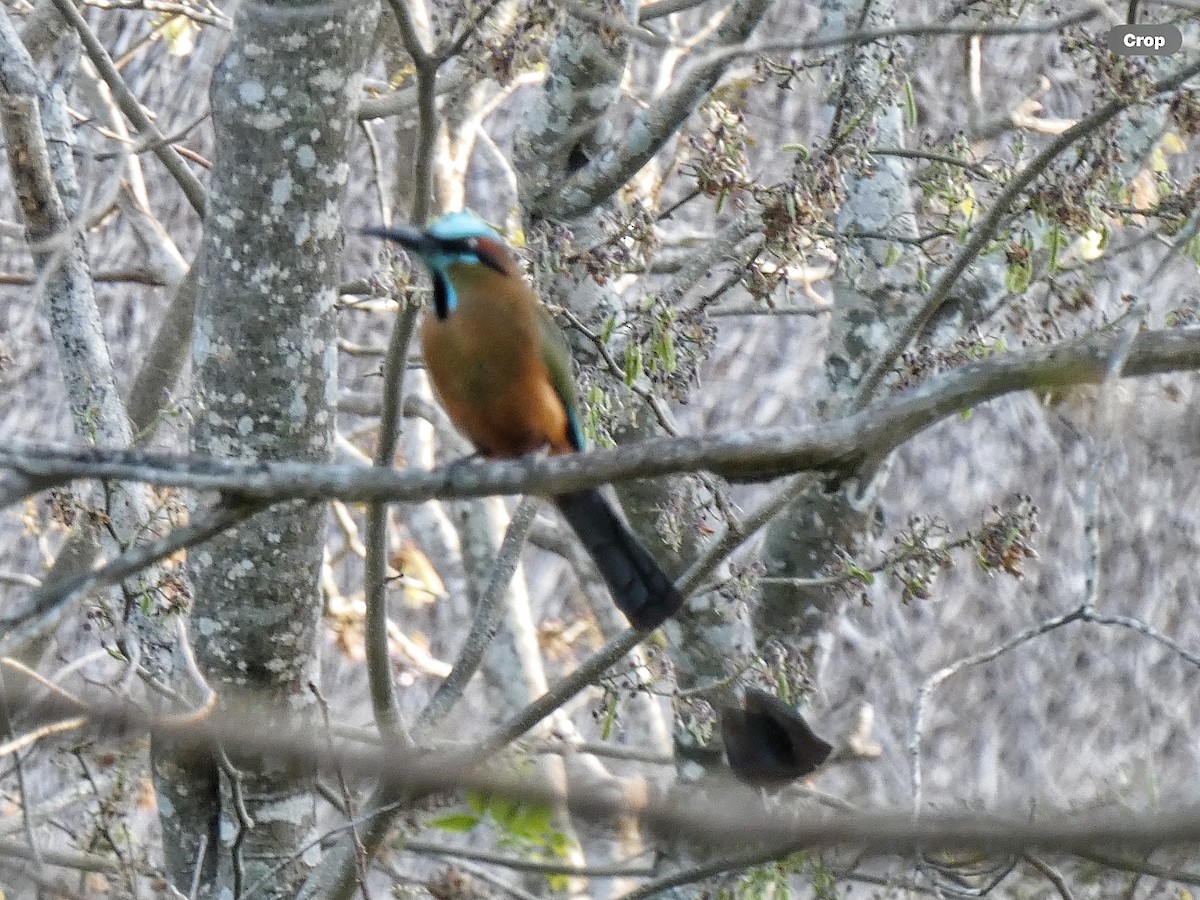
x=451 y=247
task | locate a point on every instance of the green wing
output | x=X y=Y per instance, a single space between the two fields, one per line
x=557 y=357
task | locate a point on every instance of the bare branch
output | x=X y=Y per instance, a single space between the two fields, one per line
x=383 y=695
x=935 y=680
x=1052 y=875
x=167 y=154
x=985 y=231
x=379 y=665
x=657 y=124
x=82 y=862
x=836 y=446
x=732 y=816
x=661 y=8
x=16 y=744
x=49 y=602
x=488 y=613
x=654 y=126
x=517 y=864
x=915 y=29
x=212 y=16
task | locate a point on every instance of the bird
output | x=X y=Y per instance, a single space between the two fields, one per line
x=768 y=744
x=501 y=368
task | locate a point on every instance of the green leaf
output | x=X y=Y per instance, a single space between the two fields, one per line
x=180 y=34
x=503 y=810
x=910 y=104
x=634 y=365
x=1017 y=276
x=664 y=352
x=610 y=326
x=532 y=823
x=477 y=802
x=610 y=716
x=1057 y=241
x=1192 y=248
x=456 y=822
x=560 y=844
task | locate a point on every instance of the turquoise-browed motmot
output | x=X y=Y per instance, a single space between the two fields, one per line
x=502 y=370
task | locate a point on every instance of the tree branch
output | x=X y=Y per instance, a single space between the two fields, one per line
x=156 y=141
x=46 y=604
x=648 y=132
x=986 y=230
x=733 y=816
x=488 y=613
x=838 y=446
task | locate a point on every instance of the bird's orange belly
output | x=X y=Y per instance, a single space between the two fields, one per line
x=500 y=399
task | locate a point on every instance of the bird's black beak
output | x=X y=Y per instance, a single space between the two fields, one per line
x=409 y=238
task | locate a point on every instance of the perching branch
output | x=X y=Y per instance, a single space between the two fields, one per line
x=838 y=446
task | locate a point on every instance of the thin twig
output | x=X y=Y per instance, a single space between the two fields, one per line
x=519 y=864
x=934 y=681
x=450 y=49
x=1140 y=867
x=379 y=670
x=14 y=744
x=914 y=29
x=975 y=169
x=488 y=613
x=215 y=17
x=660 y=8
x=383 y=693
x=167 y=154
x=245 y=822
x=985 y=232
x=700 y=871
x=268 y=879
x=1052 y=875
x=381 y=199
x=347 y=801
x=17 y=666
x=81 y=862
x=733 y=537
x=198 y=866
x=49 y=601
x=652 y=400
x=1144 y=629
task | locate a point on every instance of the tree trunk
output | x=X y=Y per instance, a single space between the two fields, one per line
x=265 y=384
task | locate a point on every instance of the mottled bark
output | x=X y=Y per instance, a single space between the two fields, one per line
x=264 y=360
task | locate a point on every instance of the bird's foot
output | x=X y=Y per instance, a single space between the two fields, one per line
x=464 y=461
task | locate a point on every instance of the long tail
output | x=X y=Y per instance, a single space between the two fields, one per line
x=768 y=743
x=639 y=587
